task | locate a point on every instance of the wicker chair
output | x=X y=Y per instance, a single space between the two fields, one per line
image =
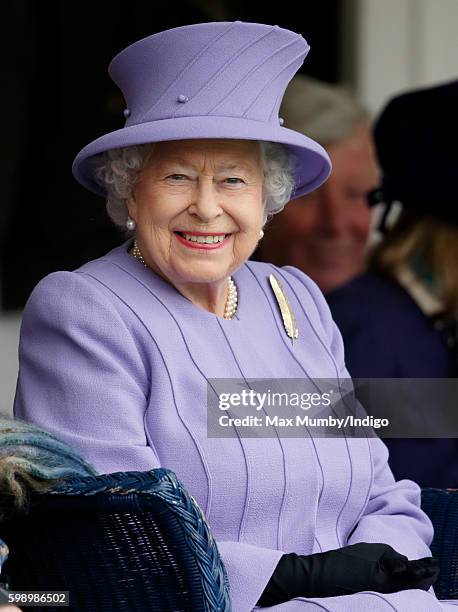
x=135 y=541
x=441 y=505
x=127 y=542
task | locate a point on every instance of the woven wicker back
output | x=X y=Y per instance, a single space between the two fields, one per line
x=128 y=541
x=441 y=505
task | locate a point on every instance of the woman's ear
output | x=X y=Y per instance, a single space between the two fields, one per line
x=132 y=207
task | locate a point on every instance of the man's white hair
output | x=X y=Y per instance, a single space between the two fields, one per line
x=117 y=171
x=325 y=112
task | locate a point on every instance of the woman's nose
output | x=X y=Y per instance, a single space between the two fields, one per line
x=206 y=202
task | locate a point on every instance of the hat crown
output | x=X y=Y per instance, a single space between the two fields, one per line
x=224 y=69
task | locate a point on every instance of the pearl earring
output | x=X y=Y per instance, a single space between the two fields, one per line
x=261 y=233
x=130 y=224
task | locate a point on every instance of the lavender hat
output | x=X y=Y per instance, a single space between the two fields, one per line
x=209 y=80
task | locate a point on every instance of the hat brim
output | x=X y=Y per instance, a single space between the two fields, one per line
x=312 y=162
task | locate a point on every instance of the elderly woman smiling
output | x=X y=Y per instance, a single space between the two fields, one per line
x=117 y=357
x=198 y=207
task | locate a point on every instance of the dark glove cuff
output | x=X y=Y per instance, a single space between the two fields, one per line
x=280 y=586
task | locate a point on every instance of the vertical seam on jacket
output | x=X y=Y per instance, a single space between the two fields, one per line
x=248 y=488
x=366 y=501
x=363 y=507
x=192 y=434
x=279 y=532
x=307 y=375
x=317 y=335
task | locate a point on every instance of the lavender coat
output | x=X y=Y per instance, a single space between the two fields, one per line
x=114 y=361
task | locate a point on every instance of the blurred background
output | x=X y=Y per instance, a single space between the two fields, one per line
x=58 y=97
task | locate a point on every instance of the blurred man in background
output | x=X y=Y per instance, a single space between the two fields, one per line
x=325 y=234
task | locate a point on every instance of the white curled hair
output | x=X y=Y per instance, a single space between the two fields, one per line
x=118 y=170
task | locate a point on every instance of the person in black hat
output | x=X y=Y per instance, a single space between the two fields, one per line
x=399 y=320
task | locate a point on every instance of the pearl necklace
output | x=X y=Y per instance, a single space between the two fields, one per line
x=231 y=300
x=230 y=307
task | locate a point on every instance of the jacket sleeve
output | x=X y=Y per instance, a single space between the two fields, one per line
x=82 y=374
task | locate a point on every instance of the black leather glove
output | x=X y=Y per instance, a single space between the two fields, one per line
x=351 y=569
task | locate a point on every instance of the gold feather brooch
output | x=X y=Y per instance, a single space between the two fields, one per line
x=286 y=312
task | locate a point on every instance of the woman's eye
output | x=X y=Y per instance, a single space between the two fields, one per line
x=233 y=180
x=177 y=177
